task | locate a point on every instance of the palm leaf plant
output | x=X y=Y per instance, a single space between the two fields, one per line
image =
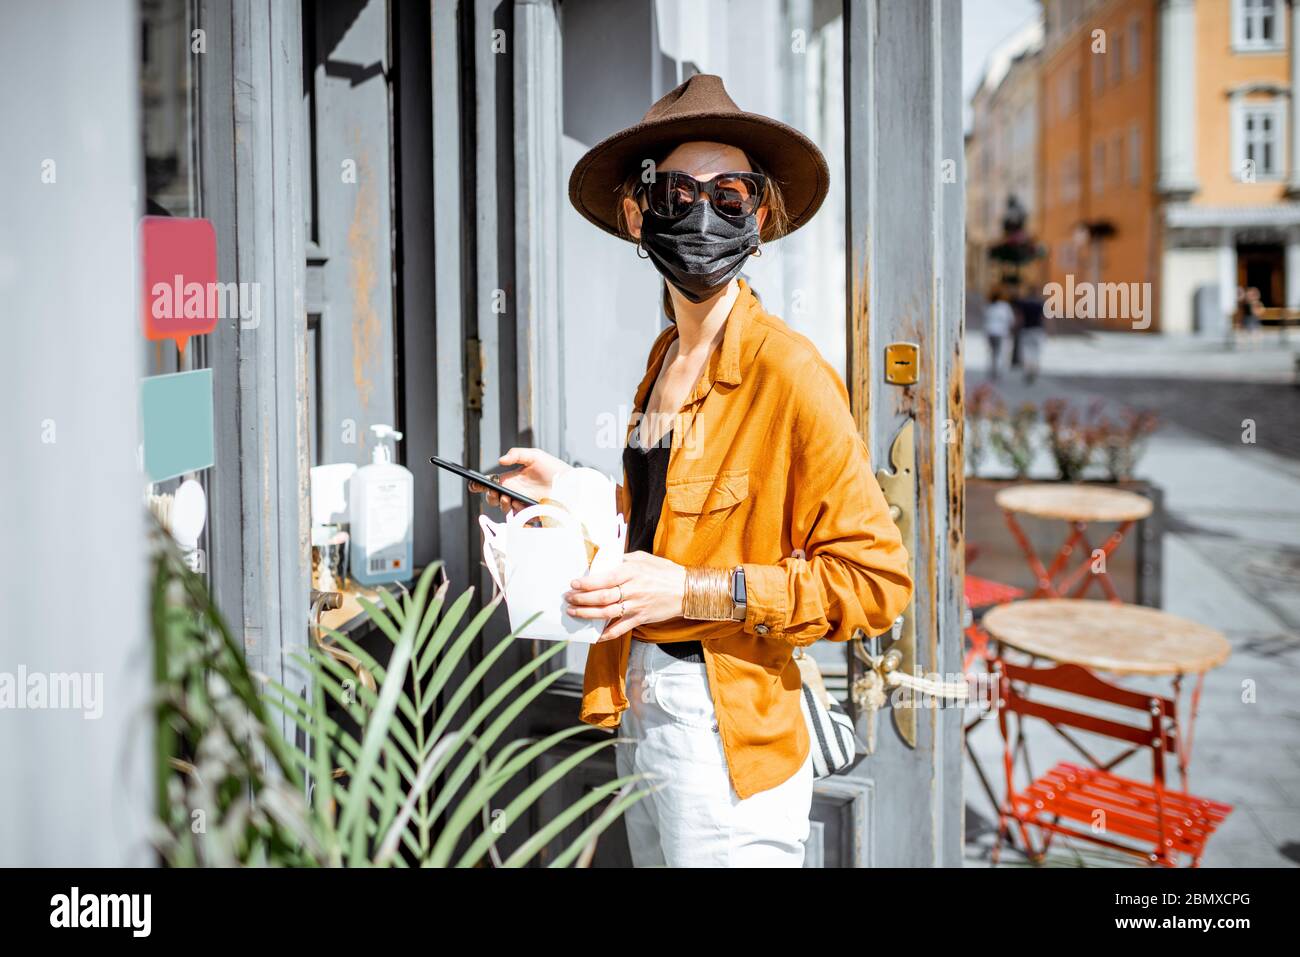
x=410 y=779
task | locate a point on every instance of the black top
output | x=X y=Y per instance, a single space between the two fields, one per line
x=647 y=473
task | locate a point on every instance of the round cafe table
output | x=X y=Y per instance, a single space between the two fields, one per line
x=1076 y=504
x=1118 y=638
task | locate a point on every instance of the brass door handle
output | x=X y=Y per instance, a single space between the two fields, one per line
x=322 y=601
x=899 y=485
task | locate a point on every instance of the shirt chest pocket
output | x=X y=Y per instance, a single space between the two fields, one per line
x=694 y=496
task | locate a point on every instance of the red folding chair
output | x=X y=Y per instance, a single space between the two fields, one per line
x=1144 y=819
x=981 y=594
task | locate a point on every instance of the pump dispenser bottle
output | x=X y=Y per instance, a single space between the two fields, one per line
x=381 y=505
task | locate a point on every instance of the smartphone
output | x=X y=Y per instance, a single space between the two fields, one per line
x=472 y=476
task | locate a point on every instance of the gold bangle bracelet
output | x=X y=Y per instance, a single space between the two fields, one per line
x=708 y=594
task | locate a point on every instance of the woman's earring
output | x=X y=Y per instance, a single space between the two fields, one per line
x=640 y=251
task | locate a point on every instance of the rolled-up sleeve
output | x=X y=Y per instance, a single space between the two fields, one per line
x=854 y=569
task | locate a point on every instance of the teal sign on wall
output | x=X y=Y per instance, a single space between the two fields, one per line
x=178 y=431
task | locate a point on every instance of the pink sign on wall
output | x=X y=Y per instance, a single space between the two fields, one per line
x=182 y=297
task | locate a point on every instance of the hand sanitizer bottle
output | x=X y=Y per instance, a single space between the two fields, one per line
x=381 y=506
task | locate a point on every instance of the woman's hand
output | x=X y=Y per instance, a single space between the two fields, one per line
x=643 y=590
x=534 y=479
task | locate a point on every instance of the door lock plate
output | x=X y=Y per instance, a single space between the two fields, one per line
x=902 y=363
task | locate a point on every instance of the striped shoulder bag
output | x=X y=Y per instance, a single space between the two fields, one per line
x=833 y=739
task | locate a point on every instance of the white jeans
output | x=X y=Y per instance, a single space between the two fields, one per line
x=696 y=819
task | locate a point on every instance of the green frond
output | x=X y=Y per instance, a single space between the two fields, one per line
x=410 y=784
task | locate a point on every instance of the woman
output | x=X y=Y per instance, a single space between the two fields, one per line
x=998 y=319
x=755 y=522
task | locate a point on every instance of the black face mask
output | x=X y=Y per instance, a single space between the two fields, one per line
x=700 y=252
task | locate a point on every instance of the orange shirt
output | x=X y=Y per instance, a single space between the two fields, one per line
x=766 y=459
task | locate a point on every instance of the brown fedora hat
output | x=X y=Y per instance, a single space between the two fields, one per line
x=699 y=109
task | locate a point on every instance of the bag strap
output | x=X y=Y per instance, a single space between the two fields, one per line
x=526 y=515
x=810 y=673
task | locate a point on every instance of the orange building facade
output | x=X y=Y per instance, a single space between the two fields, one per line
x=1098 y=119
x=1169 y=157
x=1002 y=159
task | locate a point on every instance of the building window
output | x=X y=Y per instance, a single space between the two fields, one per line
x=1065 y=94
x=1135 y=155
x=1257 y=150
x=1098 y=73
x=1098 y=168
x=1117 y=160
x=1257 y=25
x=1116 y=57
x=1070 y=179
x=1134 y=48
x=167 y=109
x=170 y=140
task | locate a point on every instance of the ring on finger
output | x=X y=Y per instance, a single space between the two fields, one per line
x=622 y=609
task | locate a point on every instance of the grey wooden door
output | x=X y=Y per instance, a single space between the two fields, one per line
x=905 y=272
x=348 y=215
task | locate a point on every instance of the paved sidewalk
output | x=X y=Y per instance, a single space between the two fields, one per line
x=1231 y=560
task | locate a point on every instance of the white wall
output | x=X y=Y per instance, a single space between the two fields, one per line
x=750 y=44
x=74 y=791
x=611 y=315
x=1182 y=272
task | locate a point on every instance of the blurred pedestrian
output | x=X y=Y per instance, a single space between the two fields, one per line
x=1013 y=294
x=1029 y=310
x=1251 y=312
x=998 y=319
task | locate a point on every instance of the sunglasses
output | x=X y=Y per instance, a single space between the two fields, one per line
x=673 y=193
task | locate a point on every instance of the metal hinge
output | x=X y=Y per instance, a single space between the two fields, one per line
x=474 y=365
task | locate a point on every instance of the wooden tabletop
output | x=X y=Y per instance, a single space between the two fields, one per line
x=1108 y=636
x=1074 y=502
